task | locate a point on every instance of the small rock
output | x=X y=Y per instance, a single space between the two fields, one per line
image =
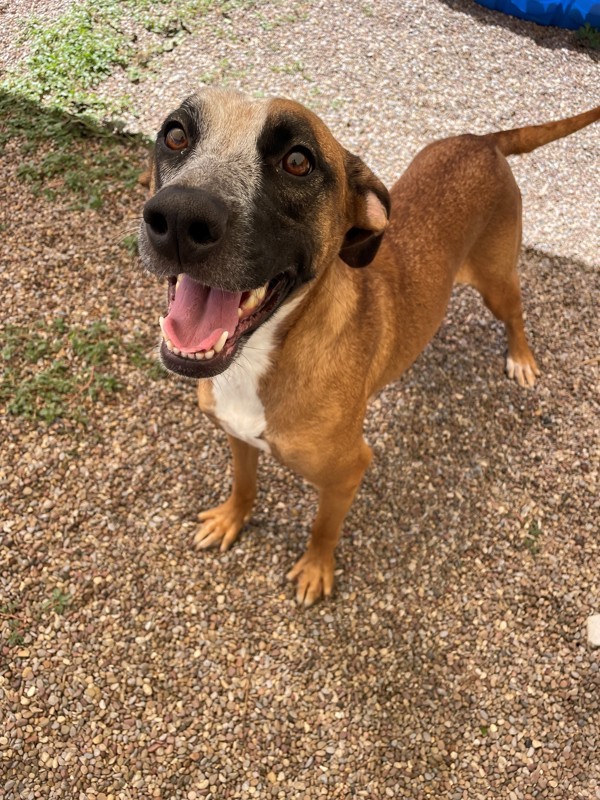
x=593 y=630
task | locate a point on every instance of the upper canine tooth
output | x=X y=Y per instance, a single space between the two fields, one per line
x=220 y=344
x=161 y=322
x=260 y=293
x=250 y=302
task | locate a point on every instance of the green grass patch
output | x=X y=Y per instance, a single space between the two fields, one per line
x=295 y=68
x=588 y=36
x=69 y=141
x=49 y=106
x=69 y=56
x=59 y=371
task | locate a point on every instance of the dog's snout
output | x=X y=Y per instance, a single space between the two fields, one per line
x=185 y=224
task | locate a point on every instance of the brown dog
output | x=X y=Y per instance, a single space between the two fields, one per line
x=258 y=217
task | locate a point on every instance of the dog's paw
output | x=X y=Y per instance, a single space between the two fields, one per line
x=314 y=577
x=221 y=525
x=523 y=370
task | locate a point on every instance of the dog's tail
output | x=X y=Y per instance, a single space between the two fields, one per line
x=524 y=140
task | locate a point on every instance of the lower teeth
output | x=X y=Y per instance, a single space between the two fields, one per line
x=199 y=356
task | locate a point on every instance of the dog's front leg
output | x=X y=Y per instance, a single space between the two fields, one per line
x=314 y=571
x=223 y=523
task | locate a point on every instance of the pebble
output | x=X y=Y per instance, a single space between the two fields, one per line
x=593 y=630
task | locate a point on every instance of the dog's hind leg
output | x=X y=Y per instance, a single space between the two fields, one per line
x=491 y=268
x=504 y=301
x=223 y=523
x=502 y=295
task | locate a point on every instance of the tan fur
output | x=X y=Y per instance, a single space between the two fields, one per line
x=456 y=217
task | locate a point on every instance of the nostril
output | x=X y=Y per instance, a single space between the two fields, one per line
x=200 y=233
x=156 y=222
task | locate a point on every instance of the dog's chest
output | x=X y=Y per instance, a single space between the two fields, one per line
x=238 y=406
x=237 y=402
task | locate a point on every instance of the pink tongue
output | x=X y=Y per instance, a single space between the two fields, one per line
x=199 y=315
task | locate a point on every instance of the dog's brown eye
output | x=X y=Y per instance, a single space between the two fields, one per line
x=176 y=138
x=297 y=162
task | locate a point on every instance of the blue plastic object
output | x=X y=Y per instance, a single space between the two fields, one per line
x=571 y=14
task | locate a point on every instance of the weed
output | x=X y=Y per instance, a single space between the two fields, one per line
x=295 y=68
x=70 y=55
x=130 y=244
x=58 y=603
x=269 y=24
x=35 y=383
x=532 y=538
x=16 y=627
x=145 y=360
x=54 y=371
x=15 y=637
x=588 y=36
x=94 y=343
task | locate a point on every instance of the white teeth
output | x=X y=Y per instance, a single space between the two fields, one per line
x=199 y=356
x=161 y=322
x=250 y=302
x=177 y=351
x=255 y=297
x=209 y=354
x=169 y=344
x=221 y=341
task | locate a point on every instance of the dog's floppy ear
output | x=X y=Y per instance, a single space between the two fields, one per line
x=369 y=212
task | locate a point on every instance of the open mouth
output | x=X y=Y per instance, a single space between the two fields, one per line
x=204 y=325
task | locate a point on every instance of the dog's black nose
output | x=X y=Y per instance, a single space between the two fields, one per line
x=184 y=224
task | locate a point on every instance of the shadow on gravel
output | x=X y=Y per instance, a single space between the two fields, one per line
x=551 y=37
x=62 y=154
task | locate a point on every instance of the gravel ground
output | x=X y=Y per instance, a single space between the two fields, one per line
x=452 y=662
x=390 y=77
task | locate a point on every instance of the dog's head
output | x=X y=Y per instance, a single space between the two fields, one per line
x=251 y=199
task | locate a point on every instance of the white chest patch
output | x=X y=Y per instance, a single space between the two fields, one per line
x=237 y=403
